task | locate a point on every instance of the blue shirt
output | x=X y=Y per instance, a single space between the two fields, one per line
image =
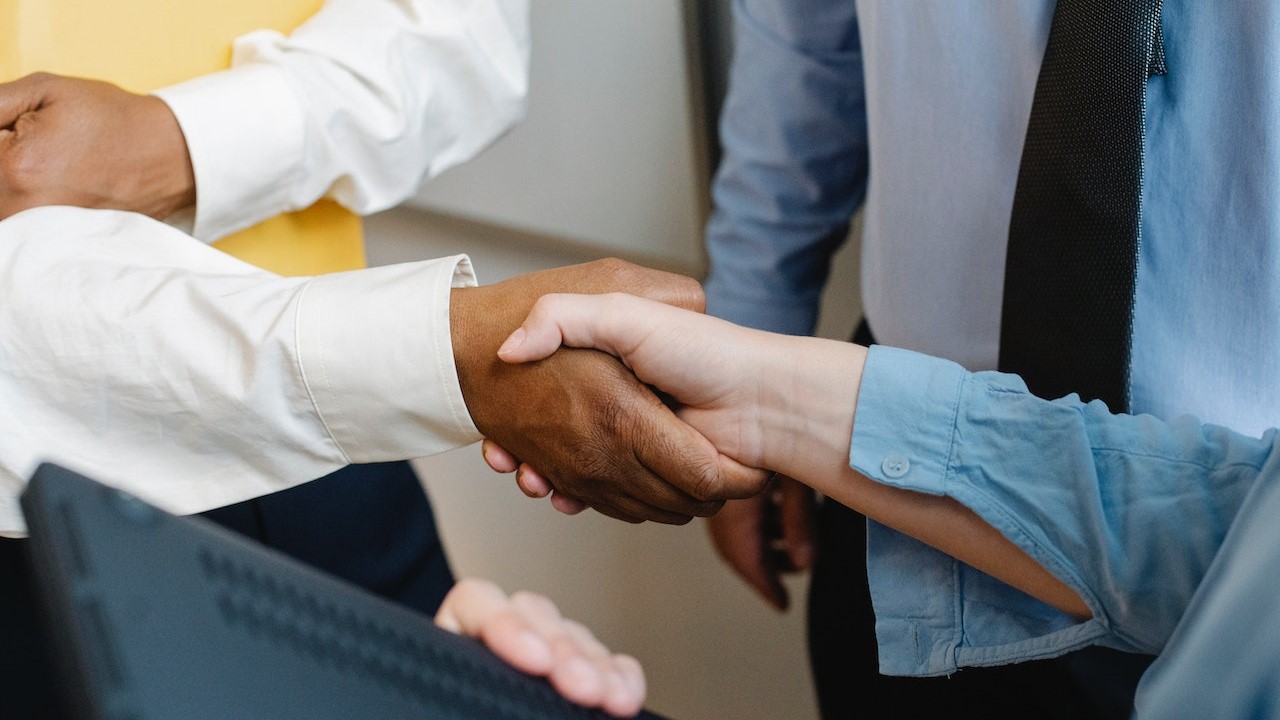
x=916 y=111
x=1167 y=530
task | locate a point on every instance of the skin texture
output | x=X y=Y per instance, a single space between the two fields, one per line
x=67 y=141
x=597 y=434
x=774 y=401
x=528 y=631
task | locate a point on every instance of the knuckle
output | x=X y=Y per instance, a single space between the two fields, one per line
x=616 y=272
x=534 y=602
x=705 y=482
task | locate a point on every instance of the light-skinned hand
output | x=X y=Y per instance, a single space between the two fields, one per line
x=528 y=631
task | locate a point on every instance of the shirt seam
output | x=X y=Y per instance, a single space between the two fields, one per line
x=442 y=367
x=324 y=372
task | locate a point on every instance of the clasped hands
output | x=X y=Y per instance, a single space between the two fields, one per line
x=592 y=427
x=723 y=380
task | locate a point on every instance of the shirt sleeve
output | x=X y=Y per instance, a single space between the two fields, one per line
x=1129 y=511
x=359 y=104
x=793 y=167
x=141 y=356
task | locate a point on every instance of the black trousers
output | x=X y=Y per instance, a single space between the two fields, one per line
x=1089 y=683
x=369 y=524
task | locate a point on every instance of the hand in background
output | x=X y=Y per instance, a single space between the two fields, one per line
x=67 y=141
x=595 y=432
x=767 y=537
x=527 y=631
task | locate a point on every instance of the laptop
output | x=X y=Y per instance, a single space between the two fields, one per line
x=154 y=615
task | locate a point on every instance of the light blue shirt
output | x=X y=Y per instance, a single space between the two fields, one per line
x=1167 y=530
x=927 y=143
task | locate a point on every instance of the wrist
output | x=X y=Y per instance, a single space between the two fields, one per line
x=809 y=418
x=171 y=179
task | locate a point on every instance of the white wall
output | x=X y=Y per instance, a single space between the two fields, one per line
x=612 y=151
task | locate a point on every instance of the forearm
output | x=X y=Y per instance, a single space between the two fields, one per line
x=359 y=104
x=1128 y=511
x=808 y=426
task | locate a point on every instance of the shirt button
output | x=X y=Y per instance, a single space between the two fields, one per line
x=896 y=466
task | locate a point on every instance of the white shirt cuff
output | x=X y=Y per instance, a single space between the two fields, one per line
x=376 y=352
x=246 y=133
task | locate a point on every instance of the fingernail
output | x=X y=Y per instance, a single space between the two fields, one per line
x=513 y=342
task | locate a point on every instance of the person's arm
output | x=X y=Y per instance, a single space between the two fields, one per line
x=528 y=631
x=1113 y=518
x=792 y=172
x=359 y=104
x=793 y=168
x=137 y=353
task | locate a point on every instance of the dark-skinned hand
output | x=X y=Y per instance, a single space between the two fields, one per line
x=767 y=537
x=595 y=432
x=68 y=141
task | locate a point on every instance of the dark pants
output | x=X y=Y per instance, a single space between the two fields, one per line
x=369 y=524
x=1089 y=683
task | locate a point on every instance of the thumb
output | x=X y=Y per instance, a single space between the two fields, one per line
x=24 y=95
x=581 y=321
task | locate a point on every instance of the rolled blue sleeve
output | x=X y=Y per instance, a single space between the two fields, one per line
x=1127 y=510
x=794 y=163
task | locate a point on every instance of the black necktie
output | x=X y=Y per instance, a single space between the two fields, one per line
x=1073 y=241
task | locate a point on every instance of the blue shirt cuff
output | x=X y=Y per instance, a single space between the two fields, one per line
x=935 y=614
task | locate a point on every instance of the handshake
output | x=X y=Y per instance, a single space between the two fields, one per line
x=625 y=398
x=614 y=397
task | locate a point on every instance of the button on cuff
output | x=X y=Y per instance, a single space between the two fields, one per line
x=895 y=466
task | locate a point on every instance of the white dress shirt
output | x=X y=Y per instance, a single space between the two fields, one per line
x=359 y=104
x=134 y=353
x=138 y=355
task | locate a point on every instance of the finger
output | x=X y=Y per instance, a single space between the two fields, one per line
x=632 y=674
x=566 y=504
x=617 y=694
x=795 y=504
x=574 y=676
x=497 y=457
x=673 y=450
x=20 y=97
x=635 y=512
x=584 y=321
x=739 y=536
x=574 y=672
x=479 y=609
x=531 y=482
